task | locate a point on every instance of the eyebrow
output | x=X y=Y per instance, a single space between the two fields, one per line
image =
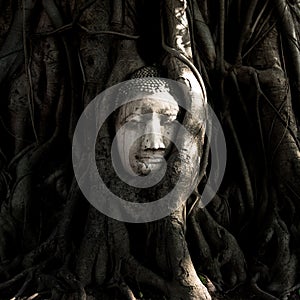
x=130 y=115
x=169 y=113
x=133 y=114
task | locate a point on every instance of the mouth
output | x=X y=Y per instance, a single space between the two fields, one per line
x=152 y=159
x=158 y=159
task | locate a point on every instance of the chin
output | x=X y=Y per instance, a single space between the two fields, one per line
x=143 y=168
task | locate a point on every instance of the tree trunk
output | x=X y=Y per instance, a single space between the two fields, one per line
x=56 y=56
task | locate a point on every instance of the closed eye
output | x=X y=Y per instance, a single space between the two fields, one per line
x=168 y=120
x=134 y=123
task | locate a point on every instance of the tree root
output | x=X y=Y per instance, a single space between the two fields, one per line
x=93 y=249
x=28 y=273
x=223 y=252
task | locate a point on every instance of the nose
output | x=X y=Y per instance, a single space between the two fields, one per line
x=153 y=138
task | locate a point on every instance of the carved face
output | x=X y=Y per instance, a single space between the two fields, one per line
x=147 y=133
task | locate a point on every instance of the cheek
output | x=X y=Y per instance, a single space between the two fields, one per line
x=135 y=148
x=169 y=134
x=131 y=145
x=125 y=141
x=134 y=154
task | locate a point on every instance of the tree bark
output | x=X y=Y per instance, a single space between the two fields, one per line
x=55 y=57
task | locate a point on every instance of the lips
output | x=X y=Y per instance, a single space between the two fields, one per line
x=152 y=159
x=155 y=159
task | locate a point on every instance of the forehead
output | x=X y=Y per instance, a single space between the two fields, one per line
x=150 y=105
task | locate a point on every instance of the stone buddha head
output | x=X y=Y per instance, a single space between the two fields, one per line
x=146 y=126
